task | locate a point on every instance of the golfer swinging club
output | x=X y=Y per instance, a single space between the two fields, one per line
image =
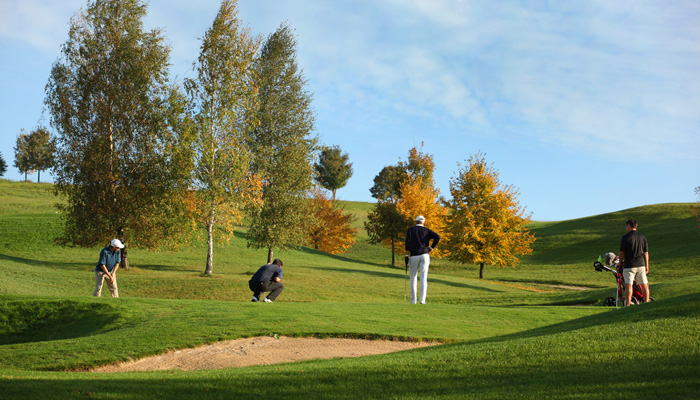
x=418 y=248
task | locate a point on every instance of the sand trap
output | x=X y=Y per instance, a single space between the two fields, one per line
x=261 y=351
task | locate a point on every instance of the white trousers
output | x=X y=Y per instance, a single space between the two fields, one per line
x=416 y=263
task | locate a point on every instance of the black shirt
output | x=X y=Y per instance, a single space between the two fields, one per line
x=418 y=240
x=634 y=245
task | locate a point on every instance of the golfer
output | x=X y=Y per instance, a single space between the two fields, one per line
x=418 y=248
x=107 y=267
x=634 y=257
x=267 y=279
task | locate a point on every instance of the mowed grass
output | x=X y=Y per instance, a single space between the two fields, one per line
x=520 y=333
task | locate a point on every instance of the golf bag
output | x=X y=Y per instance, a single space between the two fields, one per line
x=611 y=263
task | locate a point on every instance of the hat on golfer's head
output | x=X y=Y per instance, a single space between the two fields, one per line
x=420 y=219
x=117 y=243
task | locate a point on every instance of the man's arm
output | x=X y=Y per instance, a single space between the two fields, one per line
x=436 y=240
x=646 y=262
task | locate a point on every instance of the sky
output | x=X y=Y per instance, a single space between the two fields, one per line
x=586 y=107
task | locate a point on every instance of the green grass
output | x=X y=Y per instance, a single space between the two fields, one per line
x=519 y=333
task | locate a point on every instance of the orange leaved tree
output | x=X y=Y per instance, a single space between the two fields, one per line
x=331 y=231
x=486 y=225
x=421 y=198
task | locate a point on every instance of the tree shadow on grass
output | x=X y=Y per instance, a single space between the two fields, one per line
x=395 y=274
x=337 y=257
x=37 y=263
x=682 y=306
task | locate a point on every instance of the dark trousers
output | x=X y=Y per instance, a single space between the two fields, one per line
x=275 y=288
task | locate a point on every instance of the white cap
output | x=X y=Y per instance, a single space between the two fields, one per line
x=116 y=243
x=420 y=219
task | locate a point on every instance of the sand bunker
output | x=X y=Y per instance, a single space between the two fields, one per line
x=261 y=351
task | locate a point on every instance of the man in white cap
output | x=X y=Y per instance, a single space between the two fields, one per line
x=107 y=267
x=418 y=248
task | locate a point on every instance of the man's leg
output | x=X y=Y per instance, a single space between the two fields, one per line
x=628 y=294
x=629 y=276
x=424 y=264
x=413 y=264
x=99 y=280
x=275 y=288
x=645 y=290
x=112 y=285
x=256 y=289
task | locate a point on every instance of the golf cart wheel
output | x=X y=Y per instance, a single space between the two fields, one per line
x=609 y=302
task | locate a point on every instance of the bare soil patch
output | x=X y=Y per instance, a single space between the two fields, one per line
x=261 y=351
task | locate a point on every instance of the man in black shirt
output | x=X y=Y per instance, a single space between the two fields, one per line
x=267 y=279
x=418 y=247
x=634 y=257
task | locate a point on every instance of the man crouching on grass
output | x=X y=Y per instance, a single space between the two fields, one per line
x=107 y=267
x=267 y=279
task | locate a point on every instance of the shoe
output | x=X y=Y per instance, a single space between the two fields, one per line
x=267 y=300
x=255 y=299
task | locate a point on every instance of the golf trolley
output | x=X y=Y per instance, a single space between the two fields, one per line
x=610 y=264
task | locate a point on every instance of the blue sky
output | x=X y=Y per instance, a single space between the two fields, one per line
x=586 y=107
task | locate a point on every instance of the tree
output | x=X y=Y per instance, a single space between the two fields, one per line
x=283 y=147
x=224 y=96
x=387 y=184
x=421 y=198
x=34 y=152
x=331 y=230
x=387 y=226
x=333 y=169
x=119 y=162
x=22 y=154
x=485 y=225
x=42 y=149
x=396 y=210
x=3 y=165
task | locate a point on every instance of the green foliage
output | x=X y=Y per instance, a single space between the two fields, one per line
x=34 y=152
x=22 y=158
x=283 y=146
x=117 y=158
x=387 y=184
x=386 y=225
x=224 y=100
x=333 y=169
x=3 y=165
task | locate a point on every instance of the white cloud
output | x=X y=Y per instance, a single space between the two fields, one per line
x=41 y=24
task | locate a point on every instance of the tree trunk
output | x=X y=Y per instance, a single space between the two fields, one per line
x=210 y=249
x=38 y=176
x=393 y=256
x=481 y=271
x=334 y=194
x=125 y=258
x=269 y=255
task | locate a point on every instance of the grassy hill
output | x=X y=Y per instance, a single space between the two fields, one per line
x=518 y=333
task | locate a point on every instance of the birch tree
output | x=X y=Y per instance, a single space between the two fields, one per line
x=284 y=147
x=224 y=96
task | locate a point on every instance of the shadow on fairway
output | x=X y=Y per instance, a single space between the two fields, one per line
x=37 y=263
x=396 y=274
x=681 y=306
x=338 y=258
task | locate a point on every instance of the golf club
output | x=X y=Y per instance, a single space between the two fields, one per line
x=405 y=261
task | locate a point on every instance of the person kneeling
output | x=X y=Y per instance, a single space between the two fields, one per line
x=267 y=279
